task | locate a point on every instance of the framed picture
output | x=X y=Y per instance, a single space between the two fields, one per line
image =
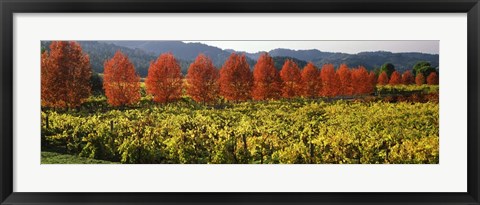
x=264 y=102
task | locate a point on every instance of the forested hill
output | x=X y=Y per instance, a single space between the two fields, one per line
x=371 y=60
x=141 y=53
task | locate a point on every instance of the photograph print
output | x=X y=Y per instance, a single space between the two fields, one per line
x=239 y=102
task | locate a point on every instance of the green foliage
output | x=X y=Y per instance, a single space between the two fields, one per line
x=57 y=158
x=423 y=67
x=387 y=68
x=284 y=131
x=97 y=83
x=407 y=89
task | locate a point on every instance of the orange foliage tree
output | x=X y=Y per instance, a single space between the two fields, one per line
x=361 y=81
x=65 y=75
x=164 y=79
x=383 y=78
x=395 y=79
x=292 y=79
x=202 y=80
x=266 y=79
x=407 y=78
x=420 y=79
x=120 y=81
x=432 y=79
x=236 y=79
x=330 y=81
x=310 y=81
x=345 y=76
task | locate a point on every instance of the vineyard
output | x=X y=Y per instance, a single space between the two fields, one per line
x=284 y=131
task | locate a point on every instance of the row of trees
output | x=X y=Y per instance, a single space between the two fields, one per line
x=66 y=76
x=234 y=82
x=407 y=78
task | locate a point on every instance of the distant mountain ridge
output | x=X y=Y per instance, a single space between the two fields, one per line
x=371 y=59
x=181 y=50
x=141 y=53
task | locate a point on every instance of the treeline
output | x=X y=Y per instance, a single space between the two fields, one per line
x=66 y=74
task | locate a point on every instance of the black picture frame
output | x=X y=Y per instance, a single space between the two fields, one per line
x=9 y=7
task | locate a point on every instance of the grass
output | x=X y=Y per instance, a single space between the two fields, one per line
x=57 y=158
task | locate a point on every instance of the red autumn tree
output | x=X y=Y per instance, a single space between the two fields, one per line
x=373 y=78
x=48 y=92
x=65 y=75
x=383 y=78
x=202 y=80
x=420 y=79
x=361 y=81
x=310 y=81
x=292 y=79
x=120 y=81
x=345 y=76
x=330 y=81
x=395 y=79
x=164 y=79
x=236 y=79
x=432 y=79
x=407 y=78
x=266 y=79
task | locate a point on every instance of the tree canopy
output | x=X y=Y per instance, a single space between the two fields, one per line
x=267 y=83
x=164 y=80
x=388 y=68
x=120 y=81
x=65 y=75
x=292 y=78
x=236 y=79
x=423 y=67
x=202 y=80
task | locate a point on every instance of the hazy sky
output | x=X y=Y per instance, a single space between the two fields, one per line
x=351 y=47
